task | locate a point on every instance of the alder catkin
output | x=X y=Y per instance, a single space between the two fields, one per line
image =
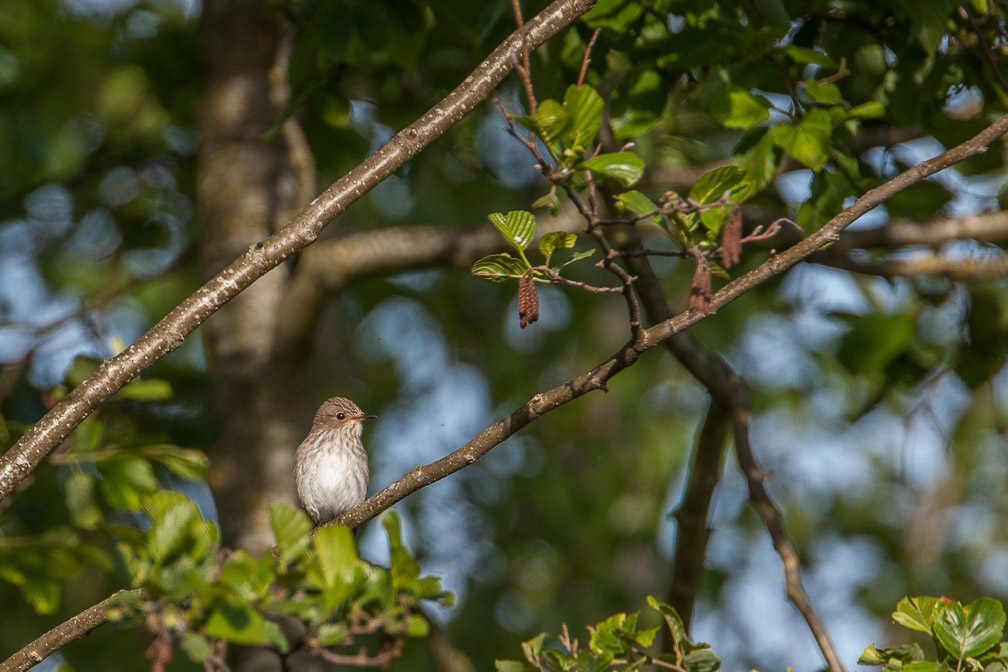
x=731 y=239
x=528 y=301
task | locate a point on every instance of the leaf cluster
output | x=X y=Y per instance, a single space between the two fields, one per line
x=617 y=644
x=965 y=636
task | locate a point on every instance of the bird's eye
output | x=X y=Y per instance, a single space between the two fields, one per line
x=340 y=416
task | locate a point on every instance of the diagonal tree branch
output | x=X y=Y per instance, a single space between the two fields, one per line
x=169 y=333
x=597 y=378
x=695 y=359
x=73 y=628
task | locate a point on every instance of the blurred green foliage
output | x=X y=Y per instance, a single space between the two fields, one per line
x=99 y=236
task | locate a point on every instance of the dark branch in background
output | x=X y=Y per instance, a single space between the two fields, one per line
x=955 y=268
x=692 y=533
x=598 y=377
x=705 y=366
x=170 y=332
x=785 y=549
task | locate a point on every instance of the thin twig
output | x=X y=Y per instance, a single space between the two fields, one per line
x=525 y=69
x=587 y=57
x=991 y=61
x=768 y=512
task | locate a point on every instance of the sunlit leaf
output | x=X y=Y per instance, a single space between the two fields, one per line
x=625 y=167
x=498 y=267
x=517 y=227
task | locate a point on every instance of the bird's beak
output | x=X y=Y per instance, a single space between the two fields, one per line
x=367 y=416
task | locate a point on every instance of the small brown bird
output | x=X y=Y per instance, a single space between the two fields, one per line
x=331 y=470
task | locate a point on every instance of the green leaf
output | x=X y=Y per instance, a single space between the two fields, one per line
x=713 y=185
x=809 y=141
x=871 y=656
x=532 y=647
x=331 y=634
x=638 y=102
x=968 y=631
x=552 y=120
x=551 y=200
x=576 y=257
x=809 y=56
x=511 y=666
x=738 y=108
x=517 y=226
x=638 y=204
x=873 y=341
x=910 y=615
x=195 y=645
x=616 y=15
x=403 y=564
x=42 y=593
x=624 y=167
x=79 y=490
x=167 y=535
x=828 y=94
x=243 y=625
x=417 y=626
x=584 y=105
x=499 y=268
x=337 y=555
x=124 y=481
x=291 y=528
x=873 y=109
x=151 y=389
x=558 y=240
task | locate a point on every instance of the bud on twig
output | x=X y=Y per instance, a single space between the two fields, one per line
x=528 y=300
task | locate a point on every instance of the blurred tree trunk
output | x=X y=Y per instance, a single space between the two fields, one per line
x=248 y=186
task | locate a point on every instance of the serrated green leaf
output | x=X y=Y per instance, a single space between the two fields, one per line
x=517 y=227
x=809 y=141
x=828 y=93
x=713 y=185
x=584 y=105
x=558 y=240
x=968 y=631
x=909 y=615
x=625 y=167
x=498 y=268
x=291 y=528
x=337 y=554
x=740 y=109
x=168 y=533
x=871 y=656
x=638 y=204
x=552 y=121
